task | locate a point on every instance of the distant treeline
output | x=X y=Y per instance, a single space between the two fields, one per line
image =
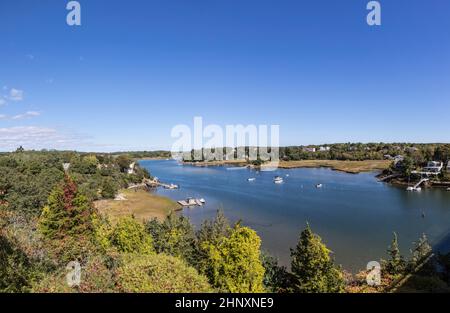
x=145 y=154
x=420 y=153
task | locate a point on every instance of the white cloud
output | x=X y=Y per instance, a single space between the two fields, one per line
x=34 y=137
x=15 y=94
x=27 y=114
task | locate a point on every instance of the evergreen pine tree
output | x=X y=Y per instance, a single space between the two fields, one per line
x=312 y=267
x=420 y=251
x=396 y=263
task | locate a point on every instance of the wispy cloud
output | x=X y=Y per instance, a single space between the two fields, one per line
x=35 y=137
x=25 y=115
x=15 y=95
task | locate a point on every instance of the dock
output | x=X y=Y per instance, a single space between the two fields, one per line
x=156 y=183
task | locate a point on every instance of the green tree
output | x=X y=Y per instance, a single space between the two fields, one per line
x=15 y=267
x=235 y=261
x=174 y=236
x=396 y=263
x=123 y=161
x=211 y=232
x=130 y=236
x=276 y=277
x=68 y=213
x=420 y=251
x=312 y=267
x=108 y=188
x=407 y=166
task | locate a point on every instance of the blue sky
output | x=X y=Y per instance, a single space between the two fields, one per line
x=135 y=69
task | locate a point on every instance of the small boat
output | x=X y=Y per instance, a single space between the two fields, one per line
x=448 y=189
x=202 y=200
x=287 y=175
x=171 y=186
x=410 y=188
x=277 y=180
x=417 y=189
x=251 y=179
x=319 y=186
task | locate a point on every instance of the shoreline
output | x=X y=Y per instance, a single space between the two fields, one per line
x=141 y=203
x=350 y=167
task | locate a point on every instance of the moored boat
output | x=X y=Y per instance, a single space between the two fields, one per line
x=277 y=180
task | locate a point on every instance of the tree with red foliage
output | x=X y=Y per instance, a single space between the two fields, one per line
x=67 y=217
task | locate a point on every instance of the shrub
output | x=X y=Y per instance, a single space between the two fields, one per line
x=130 y=236
x=158 y=273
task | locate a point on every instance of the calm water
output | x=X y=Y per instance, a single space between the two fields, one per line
x=354 y=214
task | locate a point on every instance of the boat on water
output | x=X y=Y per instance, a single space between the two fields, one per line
x=236 y=168
x=251 y=179
x=319 y=186
x=448 y=189
x=171 y=186
x=410 y=188
x=278 y=180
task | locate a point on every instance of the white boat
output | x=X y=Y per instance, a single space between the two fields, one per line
x=448 y=189
x=287 y=175
x=277 y=180
x=171 y=186
x=417 y=189
x=202 y=200
x=251 y=179
x=410 y=188
x=319 y=186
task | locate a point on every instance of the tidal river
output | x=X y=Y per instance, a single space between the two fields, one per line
x=354 y=214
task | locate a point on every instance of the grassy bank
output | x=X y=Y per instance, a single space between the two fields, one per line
x=344 y=166
x=140 y=203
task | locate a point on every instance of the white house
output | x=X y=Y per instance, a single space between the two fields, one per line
x=324 y=149
x=309 y=149
x=434 y=167
x=131 y=168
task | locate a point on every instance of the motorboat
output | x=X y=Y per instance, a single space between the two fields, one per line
x=278 y=180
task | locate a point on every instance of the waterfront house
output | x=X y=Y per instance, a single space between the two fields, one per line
x=434 y=167
x=131 y=168
x=307 y=149
x=324 y=148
